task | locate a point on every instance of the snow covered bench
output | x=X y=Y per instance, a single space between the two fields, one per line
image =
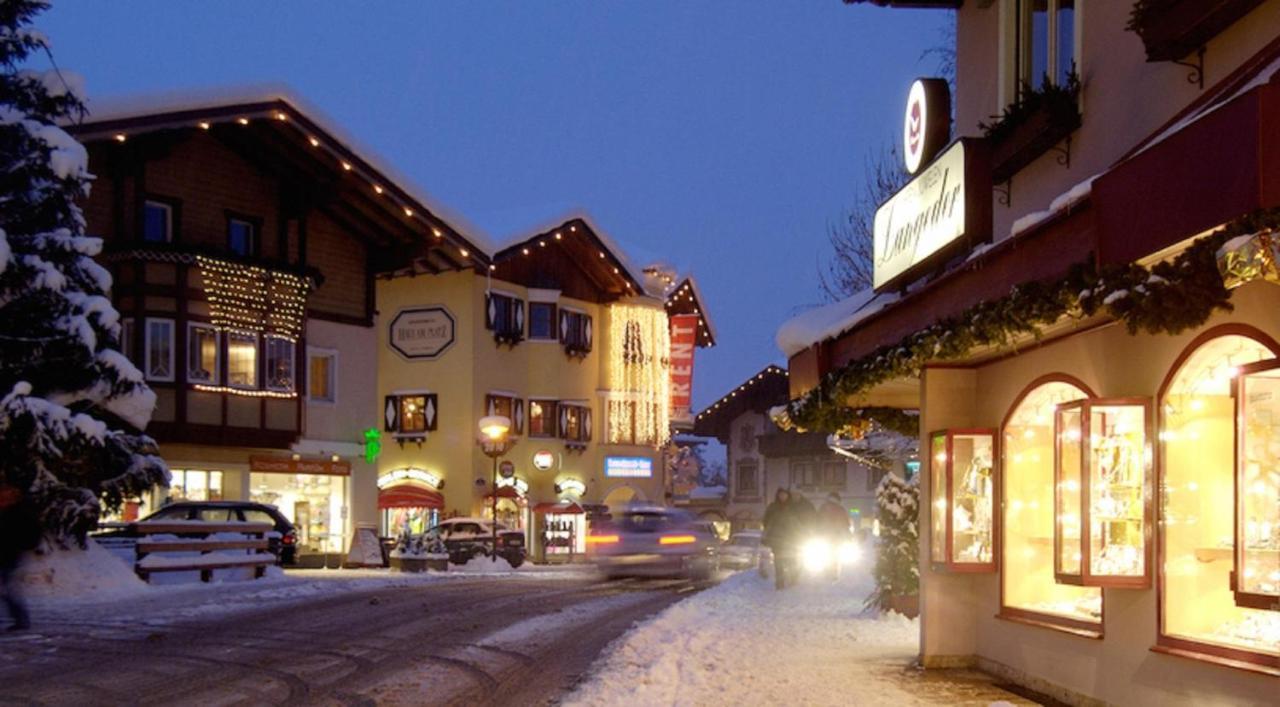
x=221 y=546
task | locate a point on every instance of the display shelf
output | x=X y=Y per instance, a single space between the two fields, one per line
x=962 y=471
x=1103 y=503
x=1255 y=578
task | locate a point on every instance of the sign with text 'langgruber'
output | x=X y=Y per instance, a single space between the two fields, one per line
x=684 y=338
x=945 y=209
x=422 y=332
x=628 y=467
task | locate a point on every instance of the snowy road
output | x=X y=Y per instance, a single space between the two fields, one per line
x=473 y=641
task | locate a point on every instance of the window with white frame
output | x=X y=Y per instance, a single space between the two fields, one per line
x=322 y=376
x=242 y=360
x=280 y=364
x=1045 y=40
x=159 y=363
x=202 y=353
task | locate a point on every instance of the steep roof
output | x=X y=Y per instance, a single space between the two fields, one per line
x=758 y=393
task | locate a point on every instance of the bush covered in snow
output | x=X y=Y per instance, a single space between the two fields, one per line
x=897 y=570
x=419 y=546
x=72 y=408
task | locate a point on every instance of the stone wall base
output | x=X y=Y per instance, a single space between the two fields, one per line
x=1036 y=684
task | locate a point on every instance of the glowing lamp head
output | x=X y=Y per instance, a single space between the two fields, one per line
x=494 y=427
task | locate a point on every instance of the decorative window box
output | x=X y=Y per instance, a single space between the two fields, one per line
x=1034 y=135
x=1173 y=29
x=1103 y=501
x=575 y=446
x=963 y=483
x=1255 y=578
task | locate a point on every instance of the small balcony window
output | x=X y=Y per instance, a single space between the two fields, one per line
x=280 y=364
x=159 y=363
x=202 y=354
x=242 y=360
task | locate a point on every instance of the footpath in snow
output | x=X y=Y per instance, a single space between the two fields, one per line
x=743 y=642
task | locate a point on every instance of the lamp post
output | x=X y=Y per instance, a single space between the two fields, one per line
x=495 y=442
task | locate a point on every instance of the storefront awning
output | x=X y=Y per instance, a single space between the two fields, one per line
x=507 y=492
x=562 y=507
x=409 y=496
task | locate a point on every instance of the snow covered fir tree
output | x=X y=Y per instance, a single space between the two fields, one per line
x=897 y=570
x=72 y=407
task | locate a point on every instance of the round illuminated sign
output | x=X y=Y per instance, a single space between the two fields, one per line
x=926 y=126
x=543 y=460
x=507 y=469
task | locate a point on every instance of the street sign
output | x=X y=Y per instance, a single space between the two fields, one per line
x=507 y=469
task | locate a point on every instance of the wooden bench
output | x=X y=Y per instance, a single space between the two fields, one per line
x=193 y=536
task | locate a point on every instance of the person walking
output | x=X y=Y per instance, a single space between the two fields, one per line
x=780 y=535
x=833 y=525
x=19 y=534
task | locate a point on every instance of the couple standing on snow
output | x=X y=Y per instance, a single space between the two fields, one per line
x=790 y=521
x=19 y=534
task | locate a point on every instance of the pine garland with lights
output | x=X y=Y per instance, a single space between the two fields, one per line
x=1167 y=298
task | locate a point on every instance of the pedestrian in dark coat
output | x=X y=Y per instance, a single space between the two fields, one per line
x=781 y=536
x=19 y=534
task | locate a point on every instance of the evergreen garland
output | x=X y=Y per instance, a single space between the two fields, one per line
x=1168 y=298
x=1058 y=100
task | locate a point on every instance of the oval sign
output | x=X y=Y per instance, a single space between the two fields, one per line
x=507 y=469
x=543 y=460
x=926 y=126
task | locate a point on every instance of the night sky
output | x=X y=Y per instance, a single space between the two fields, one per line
x=723 y=136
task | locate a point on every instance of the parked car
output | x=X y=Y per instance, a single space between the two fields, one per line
x=282 y=541
x=653 y=541
x=466 y=538
x=744 y=551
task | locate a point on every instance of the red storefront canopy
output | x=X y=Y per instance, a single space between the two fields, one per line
x=409 y=496
x=506 y=492
x=565 y=507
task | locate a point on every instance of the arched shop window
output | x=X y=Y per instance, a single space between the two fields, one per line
x=1197 y=500
x=1028 y=589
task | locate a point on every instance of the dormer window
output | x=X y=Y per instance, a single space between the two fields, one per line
x=242 y=237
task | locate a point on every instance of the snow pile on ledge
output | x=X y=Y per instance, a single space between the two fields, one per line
x=745 y=643
x=92 y=573
x=830 y=320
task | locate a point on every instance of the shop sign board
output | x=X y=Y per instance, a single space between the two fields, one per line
x=507 y=469
x=572 y=486
x=422 y=332
x=628 y=467
x=926 y=125
x=543 y=460
x=520 y=485
x=395 y=476
x=943 y=211
x=684 y=339
x=267 y=464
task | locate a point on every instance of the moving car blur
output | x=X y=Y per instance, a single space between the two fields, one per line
x=653 y=541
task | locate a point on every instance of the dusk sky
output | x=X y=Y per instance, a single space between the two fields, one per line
x=722 y=136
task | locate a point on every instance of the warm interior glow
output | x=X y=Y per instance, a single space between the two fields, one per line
x=1197 y=495
x=1028 y=553
x=639 y=350
x=495 y=427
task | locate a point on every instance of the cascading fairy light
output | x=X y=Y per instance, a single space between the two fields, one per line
x=248 y=299
x=639 y=359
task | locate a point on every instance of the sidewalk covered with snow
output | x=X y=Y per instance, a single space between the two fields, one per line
x=743 y=642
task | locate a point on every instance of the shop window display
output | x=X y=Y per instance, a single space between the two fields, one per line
x=1029 y=589
x=565 y=534
x=1256 y=578
x=314 y=503
x=963 y=492
x=1200 y=612
x=1102 y=493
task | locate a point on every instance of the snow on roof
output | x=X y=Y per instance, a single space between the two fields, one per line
x=830 y=320
x=135 y=106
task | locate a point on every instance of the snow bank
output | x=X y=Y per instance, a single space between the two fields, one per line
x=745 y=643
x=67 y=574
x=830 y=320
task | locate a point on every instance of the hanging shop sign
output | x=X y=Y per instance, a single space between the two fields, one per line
x=543 y=460
x=926 y=126
x=267 y=464
x=940 y=213
x=628 y=467
x=507 y=469
x=684 y=338
x=422 y=332
x=571 y=486
x=396 y=476
x=520 y=485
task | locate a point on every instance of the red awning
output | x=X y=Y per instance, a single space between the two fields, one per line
x=507 y=492
x=566 y=507
x=409 y=496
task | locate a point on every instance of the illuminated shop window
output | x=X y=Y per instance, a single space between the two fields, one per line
x=962 y=486
x=202 y=353
x=242 y=360
x=1198 y=483
x=542 y=418
x=195 y=485
x=413 y=415
x=1026 y=570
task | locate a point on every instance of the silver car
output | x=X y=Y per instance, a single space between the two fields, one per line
x=653 y=541
x=744 y=551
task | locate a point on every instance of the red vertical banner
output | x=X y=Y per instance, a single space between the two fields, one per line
x=684 y=339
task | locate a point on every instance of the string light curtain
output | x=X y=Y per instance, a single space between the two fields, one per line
x=639 y=376
x=254 y=300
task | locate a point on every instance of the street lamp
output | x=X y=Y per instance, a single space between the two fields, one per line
x=495 y=442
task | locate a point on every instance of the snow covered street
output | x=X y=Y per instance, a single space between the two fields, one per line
x=743 y=642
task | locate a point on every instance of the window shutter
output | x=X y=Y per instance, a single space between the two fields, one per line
x=564 y=421
x=430 y=412
x=586 y=424
x=517 y=409
x=391 y=414
x=490 y=405
x=586 y=331
x=564 y=327
x=518 y=305
x=489 y=311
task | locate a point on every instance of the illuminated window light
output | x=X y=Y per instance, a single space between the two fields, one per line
x=120 y=137
x=204 y=125
x=242 y=121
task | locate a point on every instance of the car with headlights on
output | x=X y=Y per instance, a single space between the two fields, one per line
x=653 y=541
